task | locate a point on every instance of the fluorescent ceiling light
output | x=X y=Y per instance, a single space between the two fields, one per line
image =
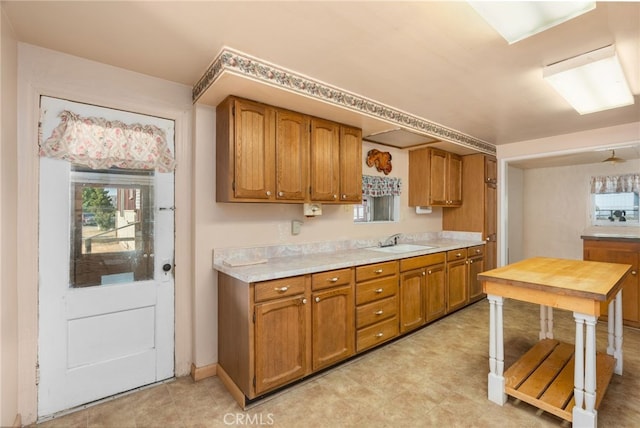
x=591 y=82
x=517 y=20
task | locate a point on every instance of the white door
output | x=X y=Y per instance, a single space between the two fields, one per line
x=106 y=304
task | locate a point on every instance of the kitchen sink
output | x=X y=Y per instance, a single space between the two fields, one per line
x=400 y=248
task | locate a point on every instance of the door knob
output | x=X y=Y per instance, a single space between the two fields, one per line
x=166 y=267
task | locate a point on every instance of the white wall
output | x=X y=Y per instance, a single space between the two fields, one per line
x=8 y=238
x=554 y=199
x=228 y=225
x=515 y=206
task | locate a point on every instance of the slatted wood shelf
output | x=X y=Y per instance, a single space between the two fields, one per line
x=543 y=377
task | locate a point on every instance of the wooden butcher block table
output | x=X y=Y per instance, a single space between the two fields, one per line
x=568 y=381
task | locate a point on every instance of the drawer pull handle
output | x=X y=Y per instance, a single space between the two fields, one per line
x=281 y=289
x=379 y=290
x=458 y=255
x=379 y=334
x=378 y=271
x=380 y=312
x=334 y=279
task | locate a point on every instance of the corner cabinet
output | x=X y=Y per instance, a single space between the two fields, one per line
x=479 y=211
x=625 y=251
x=435 y=178
x=268 y=154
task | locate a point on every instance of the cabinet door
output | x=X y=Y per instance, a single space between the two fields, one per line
x=454 y=180
x=438 y=178
x=325 y=160
x=280 y=342
x=457 y=295
x=333 y=326
x=254 y=172
x=412 y=299
x=475 y=266
x=350 y=164
x=630 y=292
x=491 y=170
x=435 y=286
x=292 y=156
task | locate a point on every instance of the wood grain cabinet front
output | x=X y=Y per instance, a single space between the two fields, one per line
x=333 y=335
x=457 y=279
x=619 y=251
x=420 y=290
x=269 y=154
x=376 y=291
x=435 y=178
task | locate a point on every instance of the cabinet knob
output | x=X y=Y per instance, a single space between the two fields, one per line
x=344 y=196
x=334 y=279
x=380 y=334
x=281 y=289
x=633 y=272
x=477 y=250
x=429 y=272
x=379 y=290
x=377 y=271
x=280 y=193
x=380 y=312
x=335 y=196
x=268 y=192
x=424 y=273
x=317 y=300
x=488 y=239
x=470 y=261
x=459 y=255
x=304 y=301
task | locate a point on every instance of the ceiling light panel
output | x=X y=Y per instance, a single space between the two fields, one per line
x=591 y=82
x=517 y=20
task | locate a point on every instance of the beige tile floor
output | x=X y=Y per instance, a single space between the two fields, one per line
x=435 y=377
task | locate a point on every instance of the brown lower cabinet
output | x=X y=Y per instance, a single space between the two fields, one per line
x=625 y=251
x=272 y=333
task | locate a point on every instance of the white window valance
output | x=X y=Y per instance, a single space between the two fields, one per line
x=616 y=183
x=101 y=144
x=381 y=186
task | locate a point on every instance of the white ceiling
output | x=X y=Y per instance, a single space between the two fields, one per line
x=437 y=60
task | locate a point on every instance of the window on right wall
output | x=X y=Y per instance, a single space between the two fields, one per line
x=615 y=200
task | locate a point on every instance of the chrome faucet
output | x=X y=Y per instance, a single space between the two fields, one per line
x=390 y=241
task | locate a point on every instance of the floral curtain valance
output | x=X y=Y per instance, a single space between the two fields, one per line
x=101 y=144
x=381 y=186
x=616 y=183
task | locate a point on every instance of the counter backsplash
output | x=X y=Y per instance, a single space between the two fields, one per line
x=288 y=250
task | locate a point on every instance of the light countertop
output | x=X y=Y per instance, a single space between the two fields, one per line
x=287 y=266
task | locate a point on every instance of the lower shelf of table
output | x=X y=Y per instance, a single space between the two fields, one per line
x=543 y=377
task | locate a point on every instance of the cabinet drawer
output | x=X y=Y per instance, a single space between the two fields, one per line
x=421 y=261
x=277 y=288
x=320 y=281
x=377 y=270
x=459 y=254
x=475 y=251
x=374 y=312
x=377 y=333
x=376 y=289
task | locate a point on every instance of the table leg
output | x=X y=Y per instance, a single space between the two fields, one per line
x=546 y=322
x=618 y=334
x=496 y=351
x=584 y=377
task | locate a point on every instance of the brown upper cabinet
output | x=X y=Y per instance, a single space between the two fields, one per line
x=479 y=211
x=268 y=154
x=435 y=178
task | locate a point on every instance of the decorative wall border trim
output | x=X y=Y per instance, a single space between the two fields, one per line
x=232 y=61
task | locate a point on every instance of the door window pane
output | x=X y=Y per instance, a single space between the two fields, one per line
x=111 y=226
